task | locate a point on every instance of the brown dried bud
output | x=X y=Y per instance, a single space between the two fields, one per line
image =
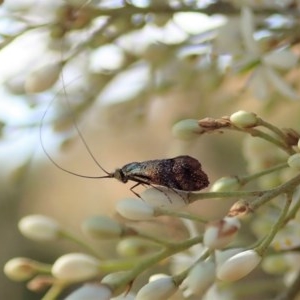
x=292 y=136
x=239 y=209
x=40 y=283
x=210 y=124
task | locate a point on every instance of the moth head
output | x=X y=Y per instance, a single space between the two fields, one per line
x=118 y=174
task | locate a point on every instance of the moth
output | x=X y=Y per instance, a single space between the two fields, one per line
x=183 y=173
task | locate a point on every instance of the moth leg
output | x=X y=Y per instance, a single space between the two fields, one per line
x=131 y=189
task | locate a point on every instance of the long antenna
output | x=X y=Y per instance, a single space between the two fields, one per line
x=108 y=175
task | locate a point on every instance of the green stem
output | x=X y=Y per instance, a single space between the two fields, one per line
x=54 y=291
x=262 y=248
x=181 y=276
x=235 y=194
x=273 y=128
x=269 y=138
x=145 y=263
x=293 y=211
x=67 y=235
x=268 y=195
x=245 y=179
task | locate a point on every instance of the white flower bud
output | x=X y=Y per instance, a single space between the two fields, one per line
x=298 y=144
x=163 y=197
x=102 y=227
x=238 y=266
x=134 y=246
x=199 y=279
x=219 y=234
x=91 y=292
x=124 y=296
x=43 y=78
x=134 y=209
x=20 y=269
x=15 y=84
x=186 y=129
x=243 y=119
x=225 y=184
x=75 y=267
x=294 y=161
x=160 y=289
x=39 y=228
x=112 y=278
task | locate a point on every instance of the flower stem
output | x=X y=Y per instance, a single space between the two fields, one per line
x=262 y=248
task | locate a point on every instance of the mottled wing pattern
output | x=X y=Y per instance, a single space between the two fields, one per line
x=188 y=174
x=181 y=173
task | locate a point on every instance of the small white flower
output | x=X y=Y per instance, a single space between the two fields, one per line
x=225 y=184
x=265 y=74
x=244 y=119
x=135 y=209
x=219 y=234
x=160 y=289
x=186 y=129
x=43 y=78
x=134 y=246
x=102 y=227
x=162 y=197
x=199 y=279
x=20 y=268
x=91 y=292
x=75 y=267
x=215 y=292
x=238 y=266
x=39 y=227
x=111 y=278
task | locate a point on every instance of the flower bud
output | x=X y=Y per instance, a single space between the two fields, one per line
x=40 y=283
x=75 y=267
x=294 y=161
x=239 y=209
x=199 y=279
x=91 y=292
x=186 y=129
x=113 y=280
x=244 y=119
x=160 y=289
x=39 y=228
x=134 y=246
x=163 y=197
x=20 y=269
x=219 y=234
x=238 y=266
x=43 y=78
x=134 y=209
x=15 y=84
x=225 y=184
x=102 y=227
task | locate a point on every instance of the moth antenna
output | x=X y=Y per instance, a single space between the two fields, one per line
x=108 y=175
x=78 y=130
